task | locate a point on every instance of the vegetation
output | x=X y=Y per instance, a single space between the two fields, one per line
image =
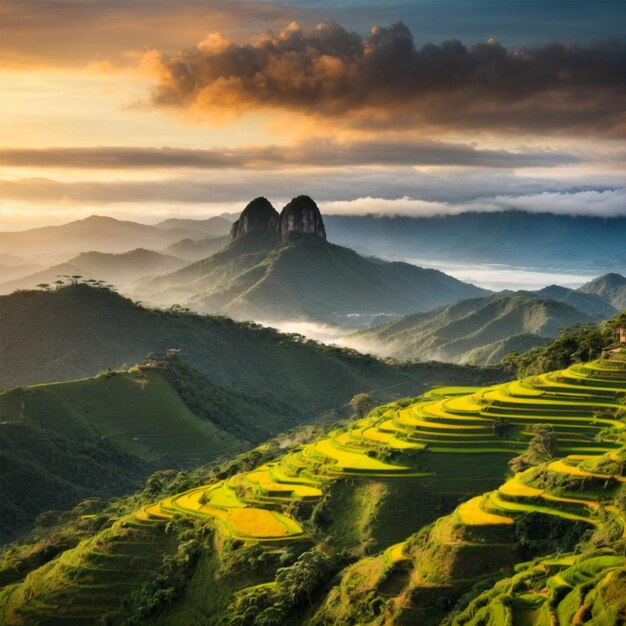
x=484 y=330
x=582 y=342
x=291 y=532
x=79 y=330
x=264 y=275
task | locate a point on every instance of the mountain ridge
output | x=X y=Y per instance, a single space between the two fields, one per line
x=480 y=330
x=280 y=267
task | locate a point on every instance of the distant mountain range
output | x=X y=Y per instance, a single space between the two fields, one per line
x=105 y=234
x=484 y=330
x=512 y=238
x=280 y=267
x=610 y=287
x=194 y=250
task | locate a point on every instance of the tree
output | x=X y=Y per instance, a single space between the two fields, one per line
x=44 y=286
x=59 y=283
x=543 y=445
x=75 y=278
x=542 y=448
x=362 y=404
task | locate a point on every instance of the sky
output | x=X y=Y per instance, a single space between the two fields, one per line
x=148 y=109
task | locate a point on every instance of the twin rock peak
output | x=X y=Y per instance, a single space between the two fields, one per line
x=300 y=217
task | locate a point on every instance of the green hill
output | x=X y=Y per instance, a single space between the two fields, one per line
x=276 y=275
x=78 y=331
x=120 y=269
x=63 y=442
x=389 y=519
x=610 y=287
x=479 y=331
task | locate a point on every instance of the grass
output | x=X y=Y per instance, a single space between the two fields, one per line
x=471 y=513
x=143 y=414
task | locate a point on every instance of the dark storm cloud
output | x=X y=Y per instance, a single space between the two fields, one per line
x=313 y=153
x=386 y=80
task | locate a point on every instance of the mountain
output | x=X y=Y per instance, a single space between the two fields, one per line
x=589 y=303
x=78 y=331
x=120 y=269
x=511 y=238
x=280 y=267
x=13 y=272
x=479 y=330
x=400 y=516
x=103 y=234
x=192 y=250
x=212 y=227
x=610 y=287
x=236 y=384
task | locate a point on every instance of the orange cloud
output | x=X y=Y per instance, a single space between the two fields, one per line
x=384 y=81
x=75 y=32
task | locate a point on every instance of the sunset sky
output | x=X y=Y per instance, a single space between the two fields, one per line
x=146 y=109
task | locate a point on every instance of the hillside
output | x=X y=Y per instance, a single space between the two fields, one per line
x=609 y=287
x=120 y=269
x=100 y=436
x=390 y=519
x=192 y=250
x=280 y=267
x=479 y=331
x=511 y=238
x=78 y=331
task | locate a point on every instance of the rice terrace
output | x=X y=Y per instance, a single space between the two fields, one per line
x=435 y=435
x=312 y=313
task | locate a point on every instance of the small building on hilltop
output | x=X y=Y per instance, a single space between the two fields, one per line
x=160 y=360
x=621 y=335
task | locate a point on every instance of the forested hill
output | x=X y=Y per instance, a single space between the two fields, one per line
x=78 y=331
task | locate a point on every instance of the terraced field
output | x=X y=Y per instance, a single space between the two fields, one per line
x=401 y=443
x=557 y=503
x=397 y=442
x=85 y=584
x=582 y=588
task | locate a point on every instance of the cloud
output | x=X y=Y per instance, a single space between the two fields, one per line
x=318 y=153
x=347 y=192
x=597 y=203
x=384 y=81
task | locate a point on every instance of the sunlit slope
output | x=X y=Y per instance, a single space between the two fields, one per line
x=143 y=413
x=415 y=441
x=452 y=439
x=89 y=582
x=533 y=514
x=420 y=439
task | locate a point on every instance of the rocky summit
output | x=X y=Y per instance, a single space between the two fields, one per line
x=259 y=214
x=301 y=216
